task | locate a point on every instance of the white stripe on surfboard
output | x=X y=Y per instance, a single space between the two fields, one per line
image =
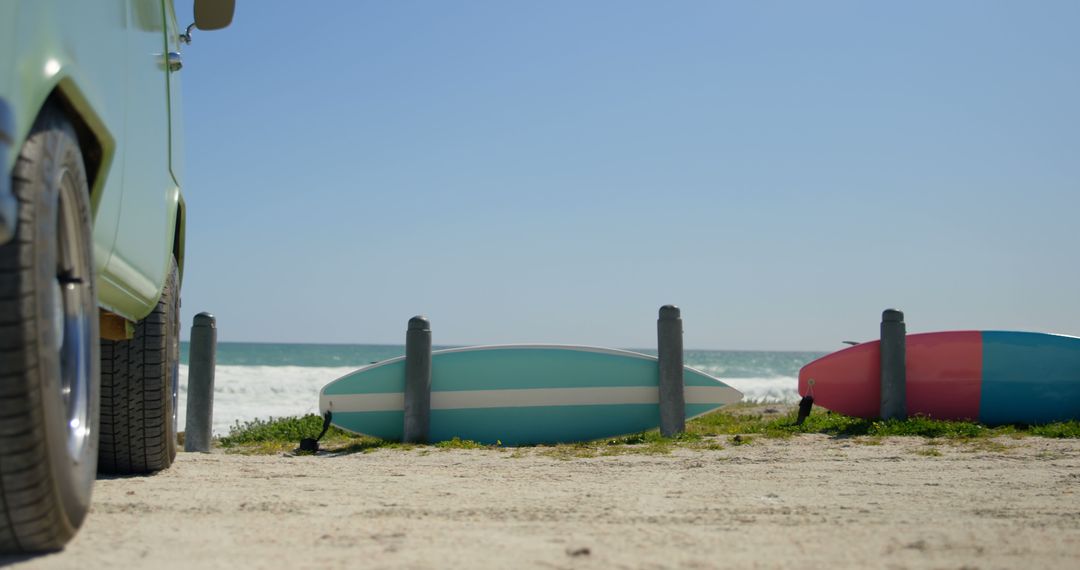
x=530 y=397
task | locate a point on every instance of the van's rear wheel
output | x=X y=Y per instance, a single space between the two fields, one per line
x=139 y=387
x=48 y=346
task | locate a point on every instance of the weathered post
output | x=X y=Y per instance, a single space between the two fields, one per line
x=200 y=389
x=893 y=365
x=417 y=380
x=669 y=337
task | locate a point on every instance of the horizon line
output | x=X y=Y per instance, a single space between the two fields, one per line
x=454 y=345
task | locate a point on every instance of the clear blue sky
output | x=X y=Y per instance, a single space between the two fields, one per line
x=555 y=171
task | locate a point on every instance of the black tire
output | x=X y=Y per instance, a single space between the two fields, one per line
x=139 y=386
x=48 y=345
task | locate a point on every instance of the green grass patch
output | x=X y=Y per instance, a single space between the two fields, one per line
x=838 y=425
x=458 y=443
x=711 y=432
x=1069 y=429
x=277 y=435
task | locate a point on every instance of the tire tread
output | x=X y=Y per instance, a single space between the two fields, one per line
x=134 y=385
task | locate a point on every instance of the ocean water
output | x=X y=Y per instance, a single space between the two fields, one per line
x=256 y=380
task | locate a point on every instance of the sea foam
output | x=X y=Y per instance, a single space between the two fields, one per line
x=775 y=389
x=245 y=393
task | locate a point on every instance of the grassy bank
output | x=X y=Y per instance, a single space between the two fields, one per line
x=737 y=425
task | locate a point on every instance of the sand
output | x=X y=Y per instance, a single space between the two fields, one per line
x=811 y=501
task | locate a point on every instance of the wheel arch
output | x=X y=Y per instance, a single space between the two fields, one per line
x=179 y=232
x=95 y=140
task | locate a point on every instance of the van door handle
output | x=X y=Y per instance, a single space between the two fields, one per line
x=174 y=61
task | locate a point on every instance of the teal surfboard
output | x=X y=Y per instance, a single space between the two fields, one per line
x=520 y=394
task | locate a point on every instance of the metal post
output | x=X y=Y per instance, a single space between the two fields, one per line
x=669 y=340
x=417 y=380
x=893 y=365
x=200 y=392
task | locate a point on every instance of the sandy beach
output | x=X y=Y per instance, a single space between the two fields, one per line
x=810 y=501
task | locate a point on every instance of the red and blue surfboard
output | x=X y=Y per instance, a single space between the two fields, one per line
x=996 y=377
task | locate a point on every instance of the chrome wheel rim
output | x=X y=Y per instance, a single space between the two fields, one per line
x=71 y=298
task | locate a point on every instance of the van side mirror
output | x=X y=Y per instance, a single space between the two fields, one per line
x=214 y=14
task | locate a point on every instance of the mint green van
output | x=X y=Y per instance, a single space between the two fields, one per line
x=91 y=251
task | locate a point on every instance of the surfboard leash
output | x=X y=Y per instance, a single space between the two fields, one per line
x=806 y=404
x=312 y=445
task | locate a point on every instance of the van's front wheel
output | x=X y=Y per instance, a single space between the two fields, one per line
x=48 y=346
